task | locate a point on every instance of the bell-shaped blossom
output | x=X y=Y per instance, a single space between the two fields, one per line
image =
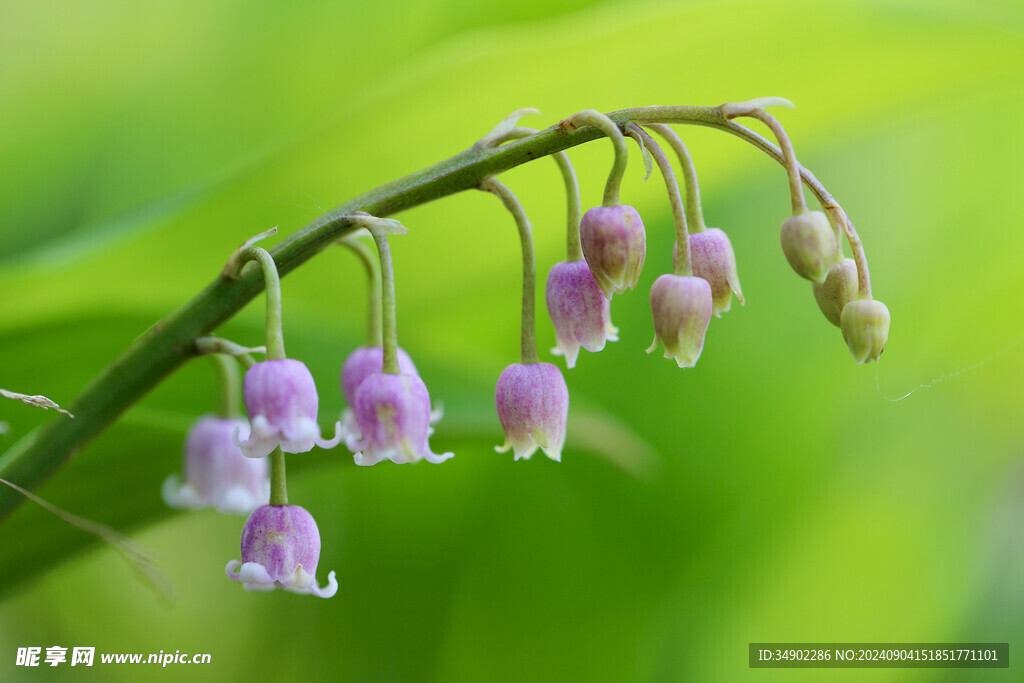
x=865 y=325
x=393 y=416
x=281 y=549
x=281 y=401
x=360 y=364
x=614 y=245
x=579 y=310
x=809 y=244
x=838 y=289
x=216 y=471
x=681 y=306
x=533 y=406
x=713 y=260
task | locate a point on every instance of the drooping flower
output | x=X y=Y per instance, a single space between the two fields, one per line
x=809 y=244
x=713 y=260
x=614 y=245
x=280 y=549
x=360 y=364
x=865 y=325
x=393 y=415
x=838 y=289
x=216 y=471
x=579 y=310
x=681 y=306
x=533 y=406
x=281 y=401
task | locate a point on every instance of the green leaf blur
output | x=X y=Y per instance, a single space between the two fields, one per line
x=770 y=494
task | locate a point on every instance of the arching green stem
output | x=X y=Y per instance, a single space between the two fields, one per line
x=594 y=118
x=796 y=190
x=694 y=212
x=684 y=264
x=229 y=403
x=389 y=329
x=272 y=285
x=527 y=336
x=373 y=284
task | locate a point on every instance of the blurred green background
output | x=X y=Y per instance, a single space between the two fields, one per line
x=770 y=494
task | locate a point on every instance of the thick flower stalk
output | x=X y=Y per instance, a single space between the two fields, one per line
x=281 y=549
x=392 y=407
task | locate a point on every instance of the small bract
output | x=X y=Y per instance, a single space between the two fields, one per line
x=281 y=401
x=281 y=549
x=216 y=471
x=614 y=245
x=865 y=324
x=579 y=310
x=681 y=306
x=533 y=406
x=393 y=415
x=809 y=244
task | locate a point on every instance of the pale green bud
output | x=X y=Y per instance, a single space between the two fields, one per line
x=838 y=289
x=809 y=244
x=865 y=324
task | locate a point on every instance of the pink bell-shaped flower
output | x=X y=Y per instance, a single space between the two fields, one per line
x=533 y=406
x=216 y=471
x=681 y=306
x=713 y=260
x=281 y=549
x=614 y=245
x=360 y=364
x=579 y=310
x=281 y=401
x=393 y=416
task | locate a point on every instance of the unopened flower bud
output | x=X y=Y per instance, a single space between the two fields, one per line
x=533 y=406
x=579 y=310
x=713 y=260
x=865 y=324
x=809 y=244
x=614 y=245
x=838 y=289
x=281 y=549
x=681 y=306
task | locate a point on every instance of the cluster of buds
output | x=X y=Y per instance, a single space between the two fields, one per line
x=390 y=415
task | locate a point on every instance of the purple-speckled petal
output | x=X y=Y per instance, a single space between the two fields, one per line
x=280 y=548
x=714 y=261
x=393 y=416
x=281 y=401
x=533 y=407
x=614 y=245
x=579 y=310
x=366 y=361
